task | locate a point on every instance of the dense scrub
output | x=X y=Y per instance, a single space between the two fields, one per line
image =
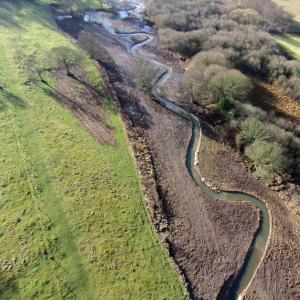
x=270 y=11
x=270 y=144
x=240 y=31
x=228 y=41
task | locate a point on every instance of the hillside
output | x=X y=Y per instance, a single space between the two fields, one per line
x=290 y=42
x=73 y=219
x=149 y=150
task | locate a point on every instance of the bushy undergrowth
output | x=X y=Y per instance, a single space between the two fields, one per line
x=212 y=80
x=271 y=144
x=228 y=41
x=240 y=31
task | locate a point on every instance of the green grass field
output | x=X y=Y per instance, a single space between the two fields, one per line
x=291 y=43
x=73 y=219
x=77 y=4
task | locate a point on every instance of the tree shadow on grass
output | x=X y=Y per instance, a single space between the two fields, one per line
x=90 y=87
x=52 y=92
x=18 y=13
x=12 y=99
x=290 y=40
x=8 y=287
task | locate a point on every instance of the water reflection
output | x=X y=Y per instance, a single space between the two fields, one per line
x=123 y=14
x=99 y=18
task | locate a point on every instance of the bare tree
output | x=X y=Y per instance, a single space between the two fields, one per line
x=194 y=87
x=64 y=58
x=145 y=73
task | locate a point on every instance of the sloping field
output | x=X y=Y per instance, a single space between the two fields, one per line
x=73 y=220
x=291 y=43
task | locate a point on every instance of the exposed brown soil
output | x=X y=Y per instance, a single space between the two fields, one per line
x=209 y=238
x=87 y=104
x=279 y=275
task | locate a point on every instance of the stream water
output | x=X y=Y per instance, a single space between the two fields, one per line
x=259 y=243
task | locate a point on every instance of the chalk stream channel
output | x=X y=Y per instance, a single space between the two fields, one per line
x=256 y=252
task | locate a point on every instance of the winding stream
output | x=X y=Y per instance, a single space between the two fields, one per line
x=256 y=252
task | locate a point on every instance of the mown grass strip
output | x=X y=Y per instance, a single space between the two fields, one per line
x=291 y=43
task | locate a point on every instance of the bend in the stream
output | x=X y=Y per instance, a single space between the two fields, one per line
x=237 y=287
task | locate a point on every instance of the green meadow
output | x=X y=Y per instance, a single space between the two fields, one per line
x=291 y=6
x=74 y=224
x=291 y=43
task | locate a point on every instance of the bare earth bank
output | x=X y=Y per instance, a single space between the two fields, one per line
x=278 y=277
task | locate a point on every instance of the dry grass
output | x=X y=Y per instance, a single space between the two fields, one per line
x=291 y=6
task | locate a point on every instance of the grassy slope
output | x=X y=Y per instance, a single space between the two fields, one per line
x=290 y=43
x=73 y=220
x=77 y=4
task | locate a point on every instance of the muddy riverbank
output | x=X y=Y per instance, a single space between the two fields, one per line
x=278 y=277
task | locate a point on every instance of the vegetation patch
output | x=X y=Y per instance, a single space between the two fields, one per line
x=73 y=218
x=237 y=30
x=229 y=43
x=76 y=5
x=291 y=43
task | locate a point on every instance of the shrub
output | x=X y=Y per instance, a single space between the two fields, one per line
x=224 y=105
x=194 y=87
x=213 y=57
x=248 y=17
x=145 y=74
x=230 y=86
x=271 y=12
x=278 y=66
x=184 y=43
x=293 y=68
x=292 y=87
x=212 y=70
x=285 y=124
x=244 y=110
x=251 y=130
x=268 y=158
x=256 y=61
